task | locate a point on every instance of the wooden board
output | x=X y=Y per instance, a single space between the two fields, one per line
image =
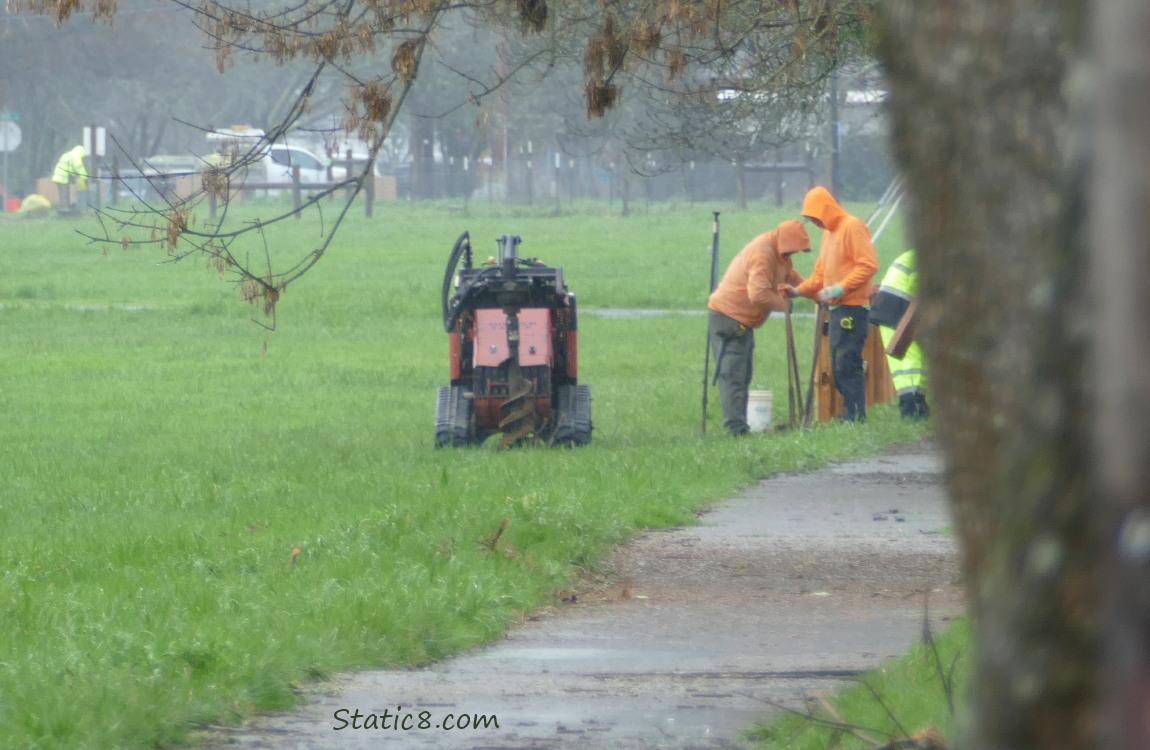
x=903 y=333
x=879 y=384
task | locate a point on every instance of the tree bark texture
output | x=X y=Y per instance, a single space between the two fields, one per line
x=981 y=123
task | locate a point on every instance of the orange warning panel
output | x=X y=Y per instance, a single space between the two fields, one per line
x=491 y=346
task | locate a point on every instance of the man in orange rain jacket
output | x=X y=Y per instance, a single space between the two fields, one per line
x=741 y=303
x=842 y=279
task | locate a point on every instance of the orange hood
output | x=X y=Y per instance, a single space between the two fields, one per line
x=821 y=205
x=792 y=237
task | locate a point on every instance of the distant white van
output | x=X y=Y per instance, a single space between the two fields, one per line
x=282 y=157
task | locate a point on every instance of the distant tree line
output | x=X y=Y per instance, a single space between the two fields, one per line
x=151 y=78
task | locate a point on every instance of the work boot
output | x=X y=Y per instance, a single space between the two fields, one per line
x=921 y=410
x=908 y=406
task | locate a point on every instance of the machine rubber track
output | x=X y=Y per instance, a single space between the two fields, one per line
x=573 y=418
x=453 y=417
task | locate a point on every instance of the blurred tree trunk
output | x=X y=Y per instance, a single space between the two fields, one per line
x=994 y=114
x=741 y=181
x=625 y=194
x=1119 y=231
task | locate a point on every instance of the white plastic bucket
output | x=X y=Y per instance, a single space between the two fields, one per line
x=759 y=410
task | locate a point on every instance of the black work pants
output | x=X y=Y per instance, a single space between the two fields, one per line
x=848 y=333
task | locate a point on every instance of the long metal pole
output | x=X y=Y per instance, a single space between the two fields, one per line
x=886 y=219
x=836 y=137
x=794 y=383
x=4 y=147
x=891 y=191
x=713 y=283
x=808 y=408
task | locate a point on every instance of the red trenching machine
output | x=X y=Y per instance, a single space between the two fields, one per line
x=514 y=352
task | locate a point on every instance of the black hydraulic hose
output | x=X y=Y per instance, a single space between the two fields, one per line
x=463 y=244
x=477 y=284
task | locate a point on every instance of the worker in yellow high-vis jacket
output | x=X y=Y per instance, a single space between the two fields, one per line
x=888 y=307
x=70 y=170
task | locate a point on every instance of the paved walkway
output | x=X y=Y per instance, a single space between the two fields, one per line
x=791 y=587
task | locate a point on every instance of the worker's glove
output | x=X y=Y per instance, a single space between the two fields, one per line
x=828 y=293
x=787 y=290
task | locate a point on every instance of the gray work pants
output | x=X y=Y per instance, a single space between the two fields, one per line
x=733 y=346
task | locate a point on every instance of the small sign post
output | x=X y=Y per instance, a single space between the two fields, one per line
x=95 y=143
x=9 y=141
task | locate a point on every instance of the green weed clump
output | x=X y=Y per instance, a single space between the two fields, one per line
x=919 y=695
x=198 y=515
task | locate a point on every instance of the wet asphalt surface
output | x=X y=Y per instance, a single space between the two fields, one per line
x=784 y=591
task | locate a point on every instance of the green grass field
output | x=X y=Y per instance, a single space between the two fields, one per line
x=164 y=458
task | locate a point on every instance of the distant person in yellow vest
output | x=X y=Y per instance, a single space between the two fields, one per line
x=741 y=302
x=890 y=303
x=842 y=280
x=34 y=204
x=70 y=170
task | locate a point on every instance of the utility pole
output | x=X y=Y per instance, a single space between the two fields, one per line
x=836 y=138
x=501 y=98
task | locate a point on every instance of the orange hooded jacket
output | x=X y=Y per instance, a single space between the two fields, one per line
x=846 y=256
x=747 y=292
